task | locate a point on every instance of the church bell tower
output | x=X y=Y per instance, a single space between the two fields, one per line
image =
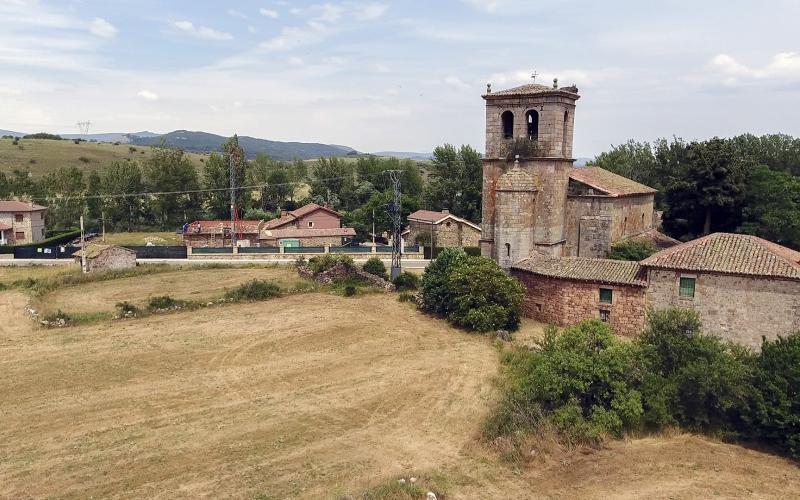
x=526 y=170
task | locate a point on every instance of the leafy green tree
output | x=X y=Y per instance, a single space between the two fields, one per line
x=258 y=173
x=64 y=198
x=361 y=218
x=456 y=181
x=123 y=212
x=772 y=206
x=216 y=176
x=632 y=250
x=375 y=266
x=333 y=176
x=169 y=171
x=21 y=184
x=437 y=294
x=280 y=187
x=5 y=186
x=94 y=204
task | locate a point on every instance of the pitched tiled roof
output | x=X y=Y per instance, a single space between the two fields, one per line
x=19 y=206
x=530 y=89
x=296 y=214
x=280 y=221
x=654 y=237
x=274 y=234
x=732 y=254
x=433 y=217
x=608 y=182
x=3 y=226
x=216 y=226
x=617 y=272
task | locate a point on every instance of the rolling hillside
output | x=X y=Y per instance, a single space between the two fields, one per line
x=41 y=156
x=205 y=142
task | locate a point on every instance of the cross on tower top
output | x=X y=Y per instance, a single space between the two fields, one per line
x=534 y=75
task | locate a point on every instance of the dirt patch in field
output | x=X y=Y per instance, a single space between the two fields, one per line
x=10 y=274
x=186 y=284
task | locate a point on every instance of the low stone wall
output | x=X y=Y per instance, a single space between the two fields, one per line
x=342 y=271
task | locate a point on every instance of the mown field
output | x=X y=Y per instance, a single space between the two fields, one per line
x=41 y=156
x=310 y=395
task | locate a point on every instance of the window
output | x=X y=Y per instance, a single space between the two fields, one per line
x=532 y=118
x=18 y=217
x=19 y=235
x=606 y=295
x=538 y=307
x=686 y=288
x=605 y=315
x=564 y=135
x=508 y=249
x=311 y=223
x=508 y=124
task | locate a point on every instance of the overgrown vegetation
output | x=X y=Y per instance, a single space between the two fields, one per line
x=406 y=281
x=163 y=303
x=375 y=266
x=321 y=263
x=472 y=292
x=253 y=290
x=586 y=385
x=631 y=250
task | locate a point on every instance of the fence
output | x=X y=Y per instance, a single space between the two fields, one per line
x=476 y=251
x=47 y=252
x=159 y=252
x=259 y=250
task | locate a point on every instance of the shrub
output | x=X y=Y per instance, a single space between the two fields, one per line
x=436 y=292
x=42 y=135
x=631 y=250
x=58 y=318
x=406 y=297
x=126 y=310
x=164 y=303
x=776 y=416
x=84 y=159
x=253 y=290
x=350 y=290
x=131 y=149
x=324 y=262
x=406 y=281
x=375 y=266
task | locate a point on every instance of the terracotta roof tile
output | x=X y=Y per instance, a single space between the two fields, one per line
x=654 y=237
x=4 y=227
x=731 y=254
x=618 y=272
x=280 y=221
x=273 y=234
x=434 y=217
x=19 y=206
x=531 y=89
x=95 y=249
x=216 y=226
x=608 y=182
x=312 y=207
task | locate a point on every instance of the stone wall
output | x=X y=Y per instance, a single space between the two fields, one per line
x=450 y=233
x=735 y=308
x=567 y=302
x=626 y=216
x=112 y=258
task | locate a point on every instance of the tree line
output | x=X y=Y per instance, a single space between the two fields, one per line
x=745 y=184
x=165 y=191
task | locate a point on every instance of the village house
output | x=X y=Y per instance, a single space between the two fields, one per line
x=441 y=229
x=551 y=224
x=100 y=258
x=21 y=222
x=308 y=226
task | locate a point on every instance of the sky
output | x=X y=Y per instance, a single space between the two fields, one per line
x=400 y=76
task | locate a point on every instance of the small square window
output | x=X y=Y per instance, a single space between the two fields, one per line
x=686 y=288
x=605 y=315
x=538 y=307
x=606 y=296
x=18 y=217
x=311 y=223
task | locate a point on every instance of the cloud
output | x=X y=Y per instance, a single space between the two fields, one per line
x=202 y=32
x=456 y=82
x=488 y=6
x=102 y=28
x=784 y=65
x=273 y=14
x=292 y=37
x=237 y=13
x=147 y=95
x=370 y=11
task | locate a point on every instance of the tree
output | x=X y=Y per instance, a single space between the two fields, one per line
x=5 y=186
x=123 y=177
x=216 y=176
x=632 y=250
x=279 y=187
x=64 y=190
x=361 y=218
x=258 y=173
x=333 y=176
x=456 y=181
x=169 y=170
x=94 y=204
x=772 y=206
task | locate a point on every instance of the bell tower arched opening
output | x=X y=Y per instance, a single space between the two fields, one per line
x=507 y=119
x=532 y=119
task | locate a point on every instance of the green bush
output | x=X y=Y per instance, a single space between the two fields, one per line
x=253 y=290
x=321 y=263
x=58 y=317
x=436 y=293
x=631 y=250
x=776 y=416
x=406 y=281
x=350 y=290
x=126 y=310
x=375 y=266
x=406 y=297
x=164 y=303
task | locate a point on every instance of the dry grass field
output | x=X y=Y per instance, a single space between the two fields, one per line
x=198 y=283
x=306 y=396
x=161 y=238
x=41 y=156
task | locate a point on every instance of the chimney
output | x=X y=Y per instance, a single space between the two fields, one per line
x=284 y=213
x=446 y=211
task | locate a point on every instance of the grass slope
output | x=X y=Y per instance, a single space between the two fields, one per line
x=41 y=156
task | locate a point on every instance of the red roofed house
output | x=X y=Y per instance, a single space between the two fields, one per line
x=21 y=222
x=446 y=229
x=310 y=225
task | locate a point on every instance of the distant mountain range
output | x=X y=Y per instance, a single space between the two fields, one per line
x=405 y=155
x=10 y=132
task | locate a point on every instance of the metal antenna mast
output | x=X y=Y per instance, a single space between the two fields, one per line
x=83 y=127
x=394 y=210
x=233 y=157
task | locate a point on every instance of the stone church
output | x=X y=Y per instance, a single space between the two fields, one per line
x=534 y=199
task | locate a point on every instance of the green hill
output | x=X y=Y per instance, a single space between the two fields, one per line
x=41 y=156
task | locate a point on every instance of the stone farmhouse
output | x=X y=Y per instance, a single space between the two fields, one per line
x=21 y=222
x=441 y=229
x=310 y=225
x=101 y=258
x=550 y=224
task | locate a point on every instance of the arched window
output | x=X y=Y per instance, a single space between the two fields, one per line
x=508 y=124
x=508 y=249
x=564 y=135
x=532 y=119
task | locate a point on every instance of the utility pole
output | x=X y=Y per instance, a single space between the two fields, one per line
x=394 y=210
x=233 y=199
x=103 y=216
x=83 y=248
x=373 y=227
